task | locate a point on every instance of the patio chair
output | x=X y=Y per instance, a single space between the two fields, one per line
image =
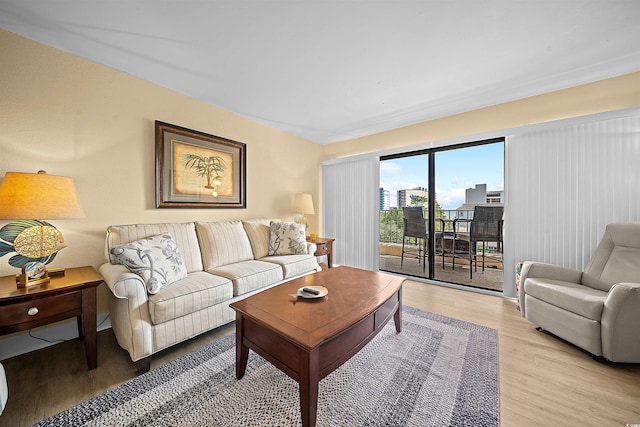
x=486 y=226
x=415 y=227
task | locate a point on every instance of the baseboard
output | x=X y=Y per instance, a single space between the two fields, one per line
x=45 y=337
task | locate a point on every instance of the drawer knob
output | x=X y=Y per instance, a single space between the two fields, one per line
x=32 y=311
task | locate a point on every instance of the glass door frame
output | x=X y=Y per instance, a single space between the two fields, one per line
x=431 y=185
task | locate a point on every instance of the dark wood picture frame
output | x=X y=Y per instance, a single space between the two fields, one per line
x=198 y=170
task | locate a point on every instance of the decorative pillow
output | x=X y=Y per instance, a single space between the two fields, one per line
x=156 y=259
x=258 y=233
x=223 y=243
x=287 y=238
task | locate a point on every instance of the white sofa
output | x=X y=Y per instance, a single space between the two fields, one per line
x=225 y=262
x=598 y=309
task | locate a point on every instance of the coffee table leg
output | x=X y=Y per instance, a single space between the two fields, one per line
x=308 y=383
x=397 y=317
x=242 y=351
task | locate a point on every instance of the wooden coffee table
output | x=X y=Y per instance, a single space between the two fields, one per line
x=309 y=339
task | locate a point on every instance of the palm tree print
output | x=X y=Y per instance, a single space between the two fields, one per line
x=210 y=167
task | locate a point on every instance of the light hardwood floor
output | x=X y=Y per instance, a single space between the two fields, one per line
x=543 y=380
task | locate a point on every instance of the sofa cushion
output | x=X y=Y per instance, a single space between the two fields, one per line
x=196 y=292
x=576 y=298
x=258 y=233
x=223 y=243
x=294 y=265
x=248 y=276
x=287 y=238
x=156 y=259
x=183 y=233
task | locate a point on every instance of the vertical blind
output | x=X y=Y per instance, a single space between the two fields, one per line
x=351 y=211
x=564 y=185
x=564 y=182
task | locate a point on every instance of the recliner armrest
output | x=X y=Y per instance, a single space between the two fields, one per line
x=546 y=271
x=619 y=323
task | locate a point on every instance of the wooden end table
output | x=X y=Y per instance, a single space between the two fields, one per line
x=309 y=339
x=70 y=295
x=324 y=247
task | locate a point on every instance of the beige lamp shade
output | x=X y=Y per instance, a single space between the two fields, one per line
x=303 y=204
x=38 y=196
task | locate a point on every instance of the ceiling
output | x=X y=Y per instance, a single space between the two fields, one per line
x=334 y=70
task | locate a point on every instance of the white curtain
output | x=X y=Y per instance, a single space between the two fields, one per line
x=564 y=185
x=350 y=211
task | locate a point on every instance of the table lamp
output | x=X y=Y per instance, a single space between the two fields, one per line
x=23 y=197
x=303 y=204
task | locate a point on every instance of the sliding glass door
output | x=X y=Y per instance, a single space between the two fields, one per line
x=404 y=187
x=449 y=190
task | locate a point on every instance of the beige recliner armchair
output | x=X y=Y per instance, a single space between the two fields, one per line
x=598 y=309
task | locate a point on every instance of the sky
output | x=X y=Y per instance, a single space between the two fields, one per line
x=456 y=170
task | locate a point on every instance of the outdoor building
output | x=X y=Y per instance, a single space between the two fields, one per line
x=413 y=197
x=385 y=199
x=478 y=196
x=495 y=197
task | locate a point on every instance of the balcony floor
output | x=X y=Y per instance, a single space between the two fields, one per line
x=491 y=278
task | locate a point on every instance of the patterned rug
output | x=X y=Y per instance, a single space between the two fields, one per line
x=438 y=371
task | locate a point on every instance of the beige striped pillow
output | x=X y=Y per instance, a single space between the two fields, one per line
x=223 y=243
x=258 y=233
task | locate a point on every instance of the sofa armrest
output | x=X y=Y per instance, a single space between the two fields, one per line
x=311 y=248
x=122 y=283
x=546 y=271
x=619 y=323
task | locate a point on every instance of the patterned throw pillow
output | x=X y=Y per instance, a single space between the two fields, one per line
x=156 y=259
x=287 y=238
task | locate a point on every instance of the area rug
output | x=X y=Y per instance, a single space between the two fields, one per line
x=438 y=371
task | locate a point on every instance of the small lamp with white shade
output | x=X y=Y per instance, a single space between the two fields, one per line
x=303 y=205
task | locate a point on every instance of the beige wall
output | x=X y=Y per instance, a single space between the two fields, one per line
x=605 y=95
x=77 y=118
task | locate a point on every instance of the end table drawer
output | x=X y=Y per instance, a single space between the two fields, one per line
x=41 y=308
x=321 y=249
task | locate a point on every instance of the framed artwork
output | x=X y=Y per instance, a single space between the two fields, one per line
x=197 y=170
